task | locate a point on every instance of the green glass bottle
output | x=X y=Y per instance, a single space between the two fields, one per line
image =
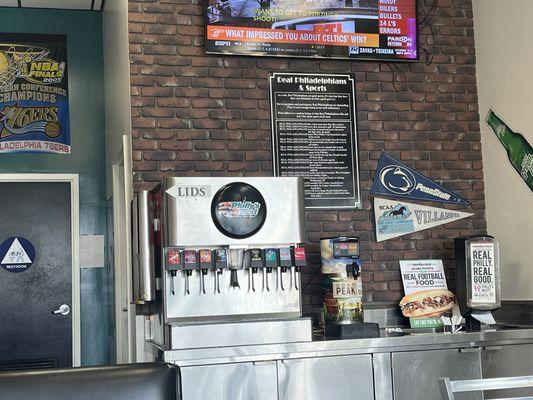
x=519 y=151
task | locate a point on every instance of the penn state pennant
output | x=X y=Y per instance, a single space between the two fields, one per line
x=395 y=179
x=394 y=218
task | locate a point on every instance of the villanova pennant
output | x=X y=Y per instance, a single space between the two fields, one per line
x=394 y=218
x=395 y=179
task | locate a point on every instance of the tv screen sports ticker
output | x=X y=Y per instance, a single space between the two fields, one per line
x=351 y=29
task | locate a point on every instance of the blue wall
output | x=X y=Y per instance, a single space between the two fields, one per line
x=86 y=93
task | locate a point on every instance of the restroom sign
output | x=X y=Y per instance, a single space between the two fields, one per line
x=16 y=254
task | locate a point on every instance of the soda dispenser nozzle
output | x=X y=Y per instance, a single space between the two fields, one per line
x=206 y=263
x=256 y=262
x=190 y=263
x=271 y=261
x=173 y=265
x=354 y=268
x=344 y=247
x=285 y=261
x=239 y=259
x=221 y=263
x=300 y=260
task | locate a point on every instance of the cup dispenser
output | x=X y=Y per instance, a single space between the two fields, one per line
x=477 y=269
x=143 y=274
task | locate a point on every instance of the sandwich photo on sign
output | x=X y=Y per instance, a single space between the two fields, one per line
x=427 y=297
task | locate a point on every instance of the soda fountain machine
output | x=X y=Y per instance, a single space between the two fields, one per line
x=226 y=261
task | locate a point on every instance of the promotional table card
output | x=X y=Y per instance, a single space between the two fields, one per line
x=426 y=293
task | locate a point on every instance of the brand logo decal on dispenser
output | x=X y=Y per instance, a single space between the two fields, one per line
x=239 y=209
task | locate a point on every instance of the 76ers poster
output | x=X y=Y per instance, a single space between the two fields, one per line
x=34 y=111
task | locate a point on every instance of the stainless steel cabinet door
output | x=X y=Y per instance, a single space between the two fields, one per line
x=326 y=378
x=504 y=361
x=415 y=374
x=239 y=381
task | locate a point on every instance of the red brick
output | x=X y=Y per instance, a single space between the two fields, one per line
x=196 y=114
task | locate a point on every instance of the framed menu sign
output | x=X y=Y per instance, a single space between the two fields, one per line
x=314 y=135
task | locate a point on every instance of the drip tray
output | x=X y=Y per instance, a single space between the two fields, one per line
x=245 y=333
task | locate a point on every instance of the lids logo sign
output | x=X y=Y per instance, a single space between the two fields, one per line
x=19 y=120
x=239 y=209
x=397 y=179
x=192 y=191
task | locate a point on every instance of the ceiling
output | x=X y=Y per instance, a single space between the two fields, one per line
x=95 y=5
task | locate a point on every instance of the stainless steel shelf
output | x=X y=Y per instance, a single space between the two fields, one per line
x=418 y=342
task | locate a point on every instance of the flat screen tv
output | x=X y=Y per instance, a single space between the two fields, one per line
x=349 y=29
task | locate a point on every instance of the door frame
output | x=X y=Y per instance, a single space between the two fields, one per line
x=122 y=195
x=73 y=180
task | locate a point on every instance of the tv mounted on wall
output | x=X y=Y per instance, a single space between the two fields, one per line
x=347 y=29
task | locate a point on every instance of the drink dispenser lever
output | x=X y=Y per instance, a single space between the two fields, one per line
x=239 y=259
x=256 y=262
x=355 y=268
x=190 y=263
x=206 y=263
x=221 y=263
x=173 y=265
x=285 y=261
x=265 y=271
x=271 y=261
x=300 y=260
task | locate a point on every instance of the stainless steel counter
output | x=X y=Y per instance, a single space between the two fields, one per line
x=386 y=368
x=384 y=344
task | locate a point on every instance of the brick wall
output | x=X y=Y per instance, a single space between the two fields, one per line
x=198 y=114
